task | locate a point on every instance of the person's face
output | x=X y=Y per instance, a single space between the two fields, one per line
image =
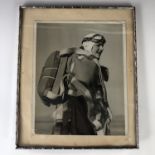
x=97 y=50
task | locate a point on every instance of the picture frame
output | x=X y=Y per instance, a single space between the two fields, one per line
x=45 y=29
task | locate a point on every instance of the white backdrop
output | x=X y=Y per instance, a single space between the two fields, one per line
x=9 y=13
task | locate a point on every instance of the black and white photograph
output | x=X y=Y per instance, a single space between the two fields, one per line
x=80 y=79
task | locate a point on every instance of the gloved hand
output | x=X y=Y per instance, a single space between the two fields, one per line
x=97 y=122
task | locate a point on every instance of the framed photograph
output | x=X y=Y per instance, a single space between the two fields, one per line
x=77 y=77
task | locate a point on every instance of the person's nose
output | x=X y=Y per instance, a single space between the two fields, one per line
x=101 y=47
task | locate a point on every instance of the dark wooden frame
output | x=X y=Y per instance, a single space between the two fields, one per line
x=18 y=130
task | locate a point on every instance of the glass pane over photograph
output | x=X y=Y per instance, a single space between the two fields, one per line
x=98 y=51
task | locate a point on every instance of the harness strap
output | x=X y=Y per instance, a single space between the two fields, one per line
x=59 y=76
